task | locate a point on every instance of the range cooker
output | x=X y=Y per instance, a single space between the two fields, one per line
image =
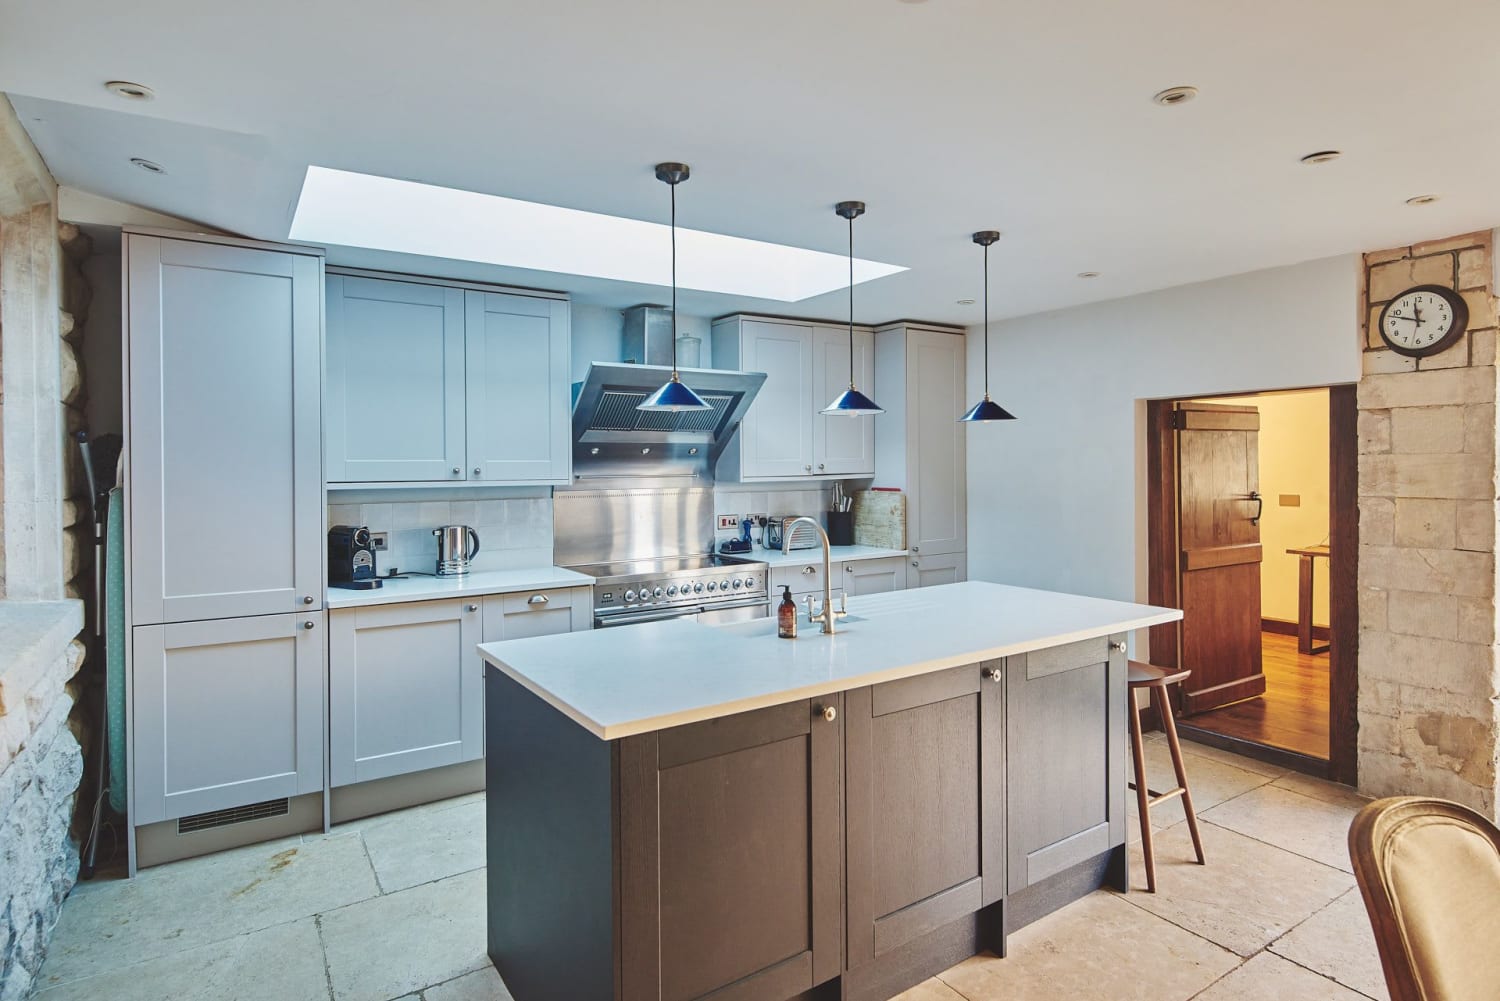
x=712 y=587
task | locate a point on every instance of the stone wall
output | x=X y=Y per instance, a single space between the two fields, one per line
x=1428 y=678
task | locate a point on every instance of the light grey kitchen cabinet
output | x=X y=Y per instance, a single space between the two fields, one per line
x=919 y=446
x=1065 y=755
x=784 y=436
x=538 y=613
x=518 y=392
x=227 y=713
x=395 y=387
x=406 y=688
x=875 y=576
x=928 y=571
x=224 y=494
x=801 y=577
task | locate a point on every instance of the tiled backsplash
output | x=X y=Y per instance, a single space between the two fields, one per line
x=514 y=533
x=742 y=499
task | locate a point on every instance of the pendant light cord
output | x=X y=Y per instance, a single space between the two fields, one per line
x=986 y=321
x=851 y=302
x=674 y=279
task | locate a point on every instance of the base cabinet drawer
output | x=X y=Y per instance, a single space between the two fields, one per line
x=874 y=576
x=228 y=712
x=929 y=571
x=405 y=688
x=537 y=613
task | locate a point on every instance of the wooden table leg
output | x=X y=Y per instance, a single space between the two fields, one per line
x=1305 y=604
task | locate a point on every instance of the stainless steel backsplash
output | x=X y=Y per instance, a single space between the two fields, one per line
x=602 y=526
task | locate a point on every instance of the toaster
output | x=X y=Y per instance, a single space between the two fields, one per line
x=803 y=536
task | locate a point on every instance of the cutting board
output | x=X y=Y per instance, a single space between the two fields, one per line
x=880 y=519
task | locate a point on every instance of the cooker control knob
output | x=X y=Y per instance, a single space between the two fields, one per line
x=749 y=581
x=698 y=588
x=672 y=591
x=738 y=583
x=629 y=595
x=713 y=585
x=658 y=592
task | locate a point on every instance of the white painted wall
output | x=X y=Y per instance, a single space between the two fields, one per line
x=1057 y=498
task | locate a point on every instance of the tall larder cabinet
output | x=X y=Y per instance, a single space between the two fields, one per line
x=225 y=511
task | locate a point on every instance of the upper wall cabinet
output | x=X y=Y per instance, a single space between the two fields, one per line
x=921 y=446
x=395 y=396
x=784 y=436
x=225 y=381
x=432 y=383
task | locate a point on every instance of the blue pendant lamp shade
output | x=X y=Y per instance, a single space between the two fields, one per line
x=986 y=410
x=851 y=402
x=673 y=396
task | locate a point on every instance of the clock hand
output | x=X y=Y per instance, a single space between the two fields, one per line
x=1394 y=316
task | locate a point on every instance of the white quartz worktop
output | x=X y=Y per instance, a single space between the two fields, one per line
x=636 y=679
x=468 y=585
x=802 y=557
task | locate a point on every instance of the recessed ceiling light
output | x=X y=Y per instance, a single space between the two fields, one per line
x=1175 y=95
x=131 y=91
x=150 y=165
x=1422 y=200
x=1088 y=274
x=409 y=217
x=966 y=302
x=1322 y=156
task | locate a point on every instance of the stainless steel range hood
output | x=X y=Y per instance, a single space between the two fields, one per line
x=611 y=438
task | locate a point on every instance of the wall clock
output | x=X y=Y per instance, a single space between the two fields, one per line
x=1423 y=320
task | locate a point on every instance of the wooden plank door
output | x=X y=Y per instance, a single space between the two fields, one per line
x=759 y=922
x=925 y=806
x=1218 y=484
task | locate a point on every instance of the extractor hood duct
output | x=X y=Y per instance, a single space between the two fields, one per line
x=611 y=438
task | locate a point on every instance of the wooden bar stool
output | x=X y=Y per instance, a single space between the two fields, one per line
x=1156 y=679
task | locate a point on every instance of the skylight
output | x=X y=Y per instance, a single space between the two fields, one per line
x=385 y=213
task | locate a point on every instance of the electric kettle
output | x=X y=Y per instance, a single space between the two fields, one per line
x=454 y=555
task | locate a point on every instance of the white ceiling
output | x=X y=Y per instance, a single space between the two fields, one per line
x=946 y=117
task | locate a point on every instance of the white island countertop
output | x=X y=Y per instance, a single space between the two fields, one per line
x=635 y=679
x=469 y=585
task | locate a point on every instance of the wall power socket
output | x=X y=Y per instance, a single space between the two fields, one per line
x=380 y=541
x=729 y=522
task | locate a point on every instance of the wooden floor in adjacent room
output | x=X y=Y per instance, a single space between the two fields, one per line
x=1293 y=712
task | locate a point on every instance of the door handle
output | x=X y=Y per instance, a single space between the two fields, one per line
x=1260 y=505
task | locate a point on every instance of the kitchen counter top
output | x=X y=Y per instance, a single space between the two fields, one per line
x=467 y=586
x=801 y=557
x=636 y=679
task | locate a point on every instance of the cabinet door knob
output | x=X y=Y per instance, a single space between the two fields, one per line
x=456 y=470
x=916 y=549
x=916 y=564
x=829 y=713
x=307 y=599
x=478 y=471
x=809 y=570
x=821 y=466
x=1117 y=645
x=308 y=624
x=473 y=608
x=538 y=599
x=807 y=468
x=848 y=569
x=992 y=674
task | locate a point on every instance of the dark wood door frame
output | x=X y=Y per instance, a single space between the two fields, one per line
x=1343 y=513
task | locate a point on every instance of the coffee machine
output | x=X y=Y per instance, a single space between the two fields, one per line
x=455 y=554
x=351 y=558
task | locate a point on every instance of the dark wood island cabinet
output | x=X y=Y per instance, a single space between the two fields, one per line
x=844 y=846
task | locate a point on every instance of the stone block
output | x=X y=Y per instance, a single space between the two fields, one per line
x=1482 y=347
x=1425 y=523
x=1474 y=269
x=1479 y=431
x=67 y=327
x=1456 y=355
x=1481 y=308
x=1455 y=476
x=1416 y=613
x=1460 y=669
x=1377 y=521
x=1382 y=256
x=1475 y=525
x=72 y=377
x=1427 y=389
x=1427 y=429
x=1375 y=431
x=1386 y=362
x=1435 y=571
x=1389 y=280
x=1379 y=733
x=1478 y=238
x=1466 y=742
x=1476 y=620
x=1372 y=608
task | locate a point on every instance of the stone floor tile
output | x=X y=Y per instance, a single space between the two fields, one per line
x=387 y=946
x=930 y=990
x=1211 y=780
x=1230 y=758
x=481 y=985
x=436 y=806
x=1314 y=828
x=1100 y=948
x=415 y=847
x=182 y=905
x=1271 y=978
x=1331 y=792
x=1337 y=942
x=1247 y=895
x=278 y=963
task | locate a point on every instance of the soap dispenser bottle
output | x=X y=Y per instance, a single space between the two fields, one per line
x=786 y=616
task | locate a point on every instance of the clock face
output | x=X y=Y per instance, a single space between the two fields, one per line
x=1423 y=320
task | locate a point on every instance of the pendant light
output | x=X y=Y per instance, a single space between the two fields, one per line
x=673 y=395
x=986 y=409
x=851 y=402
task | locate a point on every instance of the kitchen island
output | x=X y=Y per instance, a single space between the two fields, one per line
x=680 y=811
